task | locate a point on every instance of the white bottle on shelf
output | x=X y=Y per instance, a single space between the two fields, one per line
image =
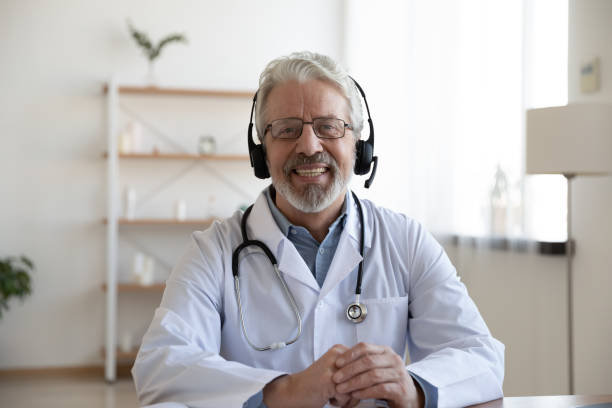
x=125 y=342
x=125 y=142
x=134 y=128
x=180 y=210
x=138 y=267
x=130 y=203
x=148 y=273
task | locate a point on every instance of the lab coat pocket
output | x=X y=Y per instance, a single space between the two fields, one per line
x=386 y=323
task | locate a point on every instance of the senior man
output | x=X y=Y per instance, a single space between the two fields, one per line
x=310 y=297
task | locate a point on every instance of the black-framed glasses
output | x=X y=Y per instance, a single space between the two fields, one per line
x=291 y=128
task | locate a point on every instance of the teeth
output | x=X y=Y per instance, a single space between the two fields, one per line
x=310 y=172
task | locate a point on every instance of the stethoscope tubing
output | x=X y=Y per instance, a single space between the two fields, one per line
x=355 y=312
x=289 y=295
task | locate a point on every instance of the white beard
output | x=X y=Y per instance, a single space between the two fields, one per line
x=314 y=197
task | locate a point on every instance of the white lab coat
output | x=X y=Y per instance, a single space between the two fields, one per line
x=195 y=352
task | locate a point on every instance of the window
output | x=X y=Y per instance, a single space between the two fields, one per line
x=448 y=83
x=546 y=32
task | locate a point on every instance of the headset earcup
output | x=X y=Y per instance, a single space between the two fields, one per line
x=363 y=157
x=258 y=160
x=257 y=153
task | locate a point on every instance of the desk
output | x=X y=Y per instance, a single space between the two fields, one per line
x=557 y=401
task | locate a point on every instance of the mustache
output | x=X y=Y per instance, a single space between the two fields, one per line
x=301 y=159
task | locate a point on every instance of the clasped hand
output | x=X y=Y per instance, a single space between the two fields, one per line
x=344 y=376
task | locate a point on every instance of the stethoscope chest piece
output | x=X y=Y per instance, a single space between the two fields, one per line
x=356 y=312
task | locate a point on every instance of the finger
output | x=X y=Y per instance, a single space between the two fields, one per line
x=365 y=364
x=358 y=351
x=332 y=354
x=368 y=379
x=336 y=350
x=340 y=400
x=390 y=391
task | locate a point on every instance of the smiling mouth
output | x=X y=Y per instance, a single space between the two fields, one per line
x=310 y=172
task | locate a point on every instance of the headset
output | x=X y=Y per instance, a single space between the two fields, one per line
x=364 y=149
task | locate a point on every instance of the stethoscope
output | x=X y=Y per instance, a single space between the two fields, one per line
x=356 y=311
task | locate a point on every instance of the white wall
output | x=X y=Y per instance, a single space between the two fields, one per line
x=590 y=35
x=55 y=57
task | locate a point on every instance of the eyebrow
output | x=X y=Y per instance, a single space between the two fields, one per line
x=329 y=116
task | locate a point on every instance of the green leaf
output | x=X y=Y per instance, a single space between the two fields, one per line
x=4 y=268
x=23 y=282
x=27 y=261
x=15 y=280
x=9 y=287
x=167 y=40
x=142 y=40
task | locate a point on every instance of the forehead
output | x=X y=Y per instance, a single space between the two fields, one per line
x=306 y=100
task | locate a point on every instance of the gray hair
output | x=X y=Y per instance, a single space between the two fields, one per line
x=302 y=67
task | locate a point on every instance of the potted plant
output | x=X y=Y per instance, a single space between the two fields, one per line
x=150 y=50
x=15 y=279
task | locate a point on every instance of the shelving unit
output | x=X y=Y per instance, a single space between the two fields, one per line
x=153 y=90
x=136 y=287
x=122 y=355
x=113 y=220
x=181 y=156
x=163 y=221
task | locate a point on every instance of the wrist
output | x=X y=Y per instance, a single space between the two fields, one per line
x=277 y=393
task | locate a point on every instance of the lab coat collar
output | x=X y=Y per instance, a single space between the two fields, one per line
x=347 y=256
x=261 y=226
x=353 y=224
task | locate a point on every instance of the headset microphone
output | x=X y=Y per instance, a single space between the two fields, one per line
x=369 y=181
x=364 y=149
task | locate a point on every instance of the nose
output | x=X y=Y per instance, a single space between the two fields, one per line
x=308 y=143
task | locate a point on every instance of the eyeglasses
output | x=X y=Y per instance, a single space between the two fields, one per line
x=291 y=128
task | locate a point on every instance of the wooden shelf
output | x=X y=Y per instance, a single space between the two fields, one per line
x=153 y=90
x=122 y=355
x=182 y=156
x=164 y=221
x=136 y=287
